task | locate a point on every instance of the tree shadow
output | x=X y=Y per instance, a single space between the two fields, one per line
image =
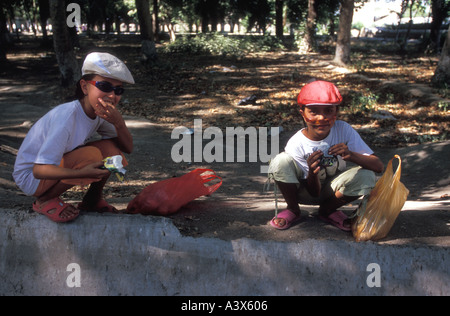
x=424 y=169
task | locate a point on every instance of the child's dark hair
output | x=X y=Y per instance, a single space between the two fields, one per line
x=79 y=94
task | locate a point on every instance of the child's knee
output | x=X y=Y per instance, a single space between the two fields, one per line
x=90 y=154
x=109 y=148
x=280 y=162
x=365 y=178
x=283 y=169
x=81 y=157
x=357 y=182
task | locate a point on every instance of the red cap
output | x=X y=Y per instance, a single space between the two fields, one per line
x=319 y=93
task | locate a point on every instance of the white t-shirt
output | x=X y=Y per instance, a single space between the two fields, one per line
x=60 y=131
x=300 y=147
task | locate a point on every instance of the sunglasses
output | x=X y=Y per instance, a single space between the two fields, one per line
x=107 y=87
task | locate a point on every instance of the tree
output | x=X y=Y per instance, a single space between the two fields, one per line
x=145 y=22
x=62 y=42
x=310 y=35
x=259 y=12
x=296 y=13
x=145 y=19
x=210 y=12
x=279 y=8
x=328 y=15
x=44 y=15
x=170 y=13
x=439 y=11
x=156 y=20
x=5 y=39
x=342 y=56
x=407 y=5
x=442 y=74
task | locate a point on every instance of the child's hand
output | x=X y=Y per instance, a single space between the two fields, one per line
x=107 y=111
x=93 y=171
x=341 y=150
x=314 y=162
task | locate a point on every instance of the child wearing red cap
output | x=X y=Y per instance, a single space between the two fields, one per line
x=313 y=170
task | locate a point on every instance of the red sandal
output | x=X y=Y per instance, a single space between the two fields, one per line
x=57 y=206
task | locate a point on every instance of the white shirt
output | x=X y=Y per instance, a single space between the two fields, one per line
x=60 y=131
x=301 y=147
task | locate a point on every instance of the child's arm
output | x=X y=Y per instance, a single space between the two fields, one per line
x=109 y=113
x=51 y=172
x=371 y=162
x=124 y=138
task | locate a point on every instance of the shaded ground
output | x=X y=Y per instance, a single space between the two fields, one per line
x=179 y=89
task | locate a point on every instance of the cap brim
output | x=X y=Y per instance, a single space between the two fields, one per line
x=322 y=104
x=121 y=79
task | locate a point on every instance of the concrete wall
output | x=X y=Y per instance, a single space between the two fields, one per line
x=136 y=255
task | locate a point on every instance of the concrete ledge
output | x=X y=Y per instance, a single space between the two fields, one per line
x=136 y=255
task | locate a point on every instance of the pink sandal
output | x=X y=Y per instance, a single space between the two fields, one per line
x=57 y=206
x=289 y=217
x=337 y=219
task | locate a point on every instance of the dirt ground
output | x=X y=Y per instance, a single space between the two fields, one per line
x=178 y=89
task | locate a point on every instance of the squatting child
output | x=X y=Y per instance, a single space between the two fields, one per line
x=312 y=169
x=57 y=153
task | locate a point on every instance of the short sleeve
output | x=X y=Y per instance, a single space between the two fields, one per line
x=354 y=141
x=54 y=146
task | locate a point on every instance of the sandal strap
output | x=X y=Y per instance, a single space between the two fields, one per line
x=54 y=204
x=287 y=215
x=338 y=216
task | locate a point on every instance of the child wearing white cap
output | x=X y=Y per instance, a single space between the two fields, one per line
x=56 y=153
x=312 y=170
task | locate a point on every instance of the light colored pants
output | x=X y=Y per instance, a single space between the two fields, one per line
x=353 y=182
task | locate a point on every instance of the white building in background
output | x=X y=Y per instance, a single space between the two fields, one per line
x=379 y=13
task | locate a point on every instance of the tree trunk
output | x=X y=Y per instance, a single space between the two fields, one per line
x=442 y=75
x=156 y=20
x=203 y=13
x=145 y=22
x=342 y=56
x=309 y=41
x=44 y=14
x=145 y=19
x=65 y=55
x=438 y=13
x=279 y=6
x=5 y=39
x=403 y=43
x=172 y=34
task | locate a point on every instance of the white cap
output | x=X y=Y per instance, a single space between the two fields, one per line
x=108 y=66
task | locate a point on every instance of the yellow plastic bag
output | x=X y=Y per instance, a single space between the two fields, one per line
x=379 y=210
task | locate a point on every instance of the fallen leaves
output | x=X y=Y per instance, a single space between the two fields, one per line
x=179 y=90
